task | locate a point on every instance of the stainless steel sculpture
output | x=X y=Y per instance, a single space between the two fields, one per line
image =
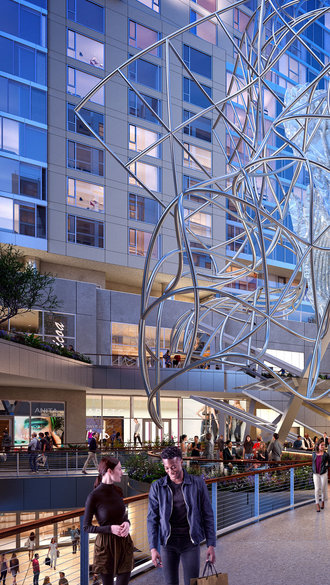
x=273 y=186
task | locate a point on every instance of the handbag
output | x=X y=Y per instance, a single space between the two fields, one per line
x=47 y=561
x=210 y=576
x=58 y=553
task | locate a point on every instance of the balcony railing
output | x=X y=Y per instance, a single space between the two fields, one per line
x=236 y=500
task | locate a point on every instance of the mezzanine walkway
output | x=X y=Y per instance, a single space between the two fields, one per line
x=287 y=549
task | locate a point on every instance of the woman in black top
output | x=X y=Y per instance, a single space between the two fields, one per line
x=113 y=552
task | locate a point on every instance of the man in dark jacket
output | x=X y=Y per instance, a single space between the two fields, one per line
x=91 y=454
x=181 y=516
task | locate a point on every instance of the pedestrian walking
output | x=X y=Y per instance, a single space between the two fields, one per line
x=47 y=581
x=52 y=552
x=63 y=580
x=33 y=447
x=91 y=454
x=180 y=517
x=320 y=464
x=74 y=539
x=31 y=545
x=14 y=567
x=43 y=449
x=3 y=569
x=275 y=448
x=137 y=430
x=113 y=552
x=36 y=569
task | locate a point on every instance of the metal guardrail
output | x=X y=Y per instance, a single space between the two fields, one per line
x=65 y=461
x=236 y=500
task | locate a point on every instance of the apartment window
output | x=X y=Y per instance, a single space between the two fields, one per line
x=86 y=13
x=21 y=21
x=22 y=139
x=145 y=73
x=139 y=242
x=206 y=30
x=22 y=178
x=149 y=175
x=194 y=95
x=139 y=109
x=23 y=100
x=24 y=219
x=200 y=259
x=141 y=37
x=197 y=61
x=203 y=156
x=210 y=5
x=240 y=20
x=80 y=83
x=85 y=195
x=235 y=231
x=189 y=182
x=93 y=119
x=140 y=138
x=200 y=128
x=85 y=49
x=143 y=209
x=85 y=158
x=153 y=4
x=199 y=223
x=23 y=61
x=85 y=231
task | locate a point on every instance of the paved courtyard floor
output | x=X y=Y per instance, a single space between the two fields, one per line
x=287 y=549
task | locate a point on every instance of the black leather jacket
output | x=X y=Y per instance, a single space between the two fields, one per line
x=324 y=463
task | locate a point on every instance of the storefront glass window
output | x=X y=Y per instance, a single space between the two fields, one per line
x=115 y=405
x=93 y=406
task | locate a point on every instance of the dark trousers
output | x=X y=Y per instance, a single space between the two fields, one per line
x=137 y=438
x=33 y=461
x=176 y=550
x=36 y=578
x=122 y=579
x=3 y=576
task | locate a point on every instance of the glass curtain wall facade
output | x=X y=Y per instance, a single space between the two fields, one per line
x=23 y=123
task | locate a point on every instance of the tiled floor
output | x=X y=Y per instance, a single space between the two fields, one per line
x=288 y=549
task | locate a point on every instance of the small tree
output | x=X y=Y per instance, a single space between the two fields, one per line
x=22 y=287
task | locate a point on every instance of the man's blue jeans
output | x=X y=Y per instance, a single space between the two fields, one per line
x=180 y=548
x=36 y=578
x=32 y=460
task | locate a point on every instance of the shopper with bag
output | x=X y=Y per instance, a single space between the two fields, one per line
x=181 y=516
x=52 y=553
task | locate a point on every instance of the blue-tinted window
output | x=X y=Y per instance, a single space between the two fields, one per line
x=200 y=259
x=189 y=182
x=22 y=178
x=146 y=73
x=87 y=13
x=23 y=100
x=200 y=128
x=197 y=61
x=9 y=17
x=85 y=158
x=93 y=119
x=193 y=94
x=83 y=231
x=22 y=61
x=142 y=209
x=137 y=108
x=35 y=143
x=22 y=139
x=22 y=21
